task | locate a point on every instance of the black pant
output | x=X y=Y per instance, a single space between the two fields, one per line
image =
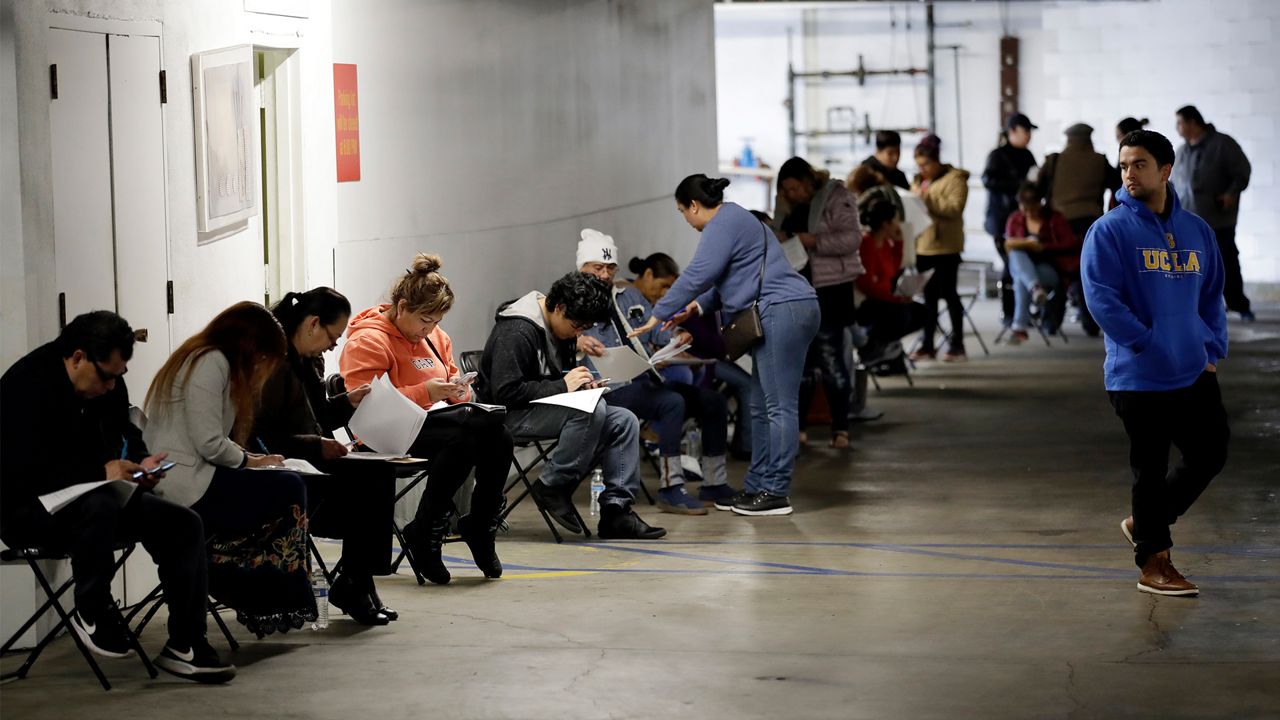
x=454 y=451
x=355 y=503
x=942 y=286
x=1193 y=419
x=888 y=321
x=95 y=523
x=1233 y=287
x=1006 y=283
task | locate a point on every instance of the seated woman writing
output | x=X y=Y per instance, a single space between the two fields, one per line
x=404 y=341
x=353 y=501
x=887 y=315
x=200 y=409
x=1042 y=251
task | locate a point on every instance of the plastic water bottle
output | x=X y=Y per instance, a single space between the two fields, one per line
x=597 y=487
x=694 y=442
x=748 y=155
x=320 y=587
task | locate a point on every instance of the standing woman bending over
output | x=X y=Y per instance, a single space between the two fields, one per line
x=725 y=272
x=200 y=409
x=404 y=341
x=353 y=501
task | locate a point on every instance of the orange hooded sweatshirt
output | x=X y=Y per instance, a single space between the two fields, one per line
x=375 y=347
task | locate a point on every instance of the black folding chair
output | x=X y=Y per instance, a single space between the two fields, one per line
x=469 y=361
x=150 y=605
x=32 y=557
x=1038 y=320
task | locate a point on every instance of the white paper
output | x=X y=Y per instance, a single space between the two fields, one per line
x=58 y=499
x=444 y=405
x=582 y=400
x=386 y=420
x=373 y=456
x=671 y=350
x=795 y=253
x=911 y=285
x=620 y=364
x=341 y=435
x=298 y=465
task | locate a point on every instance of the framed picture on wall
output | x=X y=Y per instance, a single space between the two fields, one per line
x=226 y=137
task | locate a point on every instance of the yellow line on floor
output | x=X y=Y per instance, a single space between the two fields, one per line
x=558 y=574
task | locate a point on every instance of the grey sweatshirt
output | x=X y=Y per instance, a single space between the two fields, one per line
x=1207 y=170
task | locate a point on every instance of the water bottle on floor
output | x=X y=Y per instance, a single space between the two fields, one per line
x=320 y=587
x=597 y=487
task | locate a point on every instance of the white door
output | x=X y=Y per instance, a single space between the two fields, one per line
x=84 y=253
x=138 y=179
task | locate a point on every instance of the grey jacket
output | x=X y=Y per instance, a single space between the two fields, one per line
x=1203 y=172
x=833 y=218
x=193 y=425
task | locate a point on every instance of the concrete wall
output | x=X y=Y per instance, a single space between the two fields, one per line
x=492 y=132
x=1149 y=59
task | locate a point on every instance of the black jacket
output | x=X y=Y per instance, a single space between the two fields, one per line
x=893 y=175
x=521 y=363
x=1007 y=168
x=295 y=411
x=51 y=438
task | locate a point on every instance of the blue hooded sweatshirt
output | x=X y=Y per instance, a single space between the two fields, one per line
x=1155 y=287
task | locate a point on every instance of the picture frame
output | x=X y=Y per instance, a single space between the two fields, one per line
x=226 y=137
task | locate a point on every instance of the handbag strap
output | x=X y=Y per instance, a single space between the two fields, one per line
x=763 y=258
x=439 y=357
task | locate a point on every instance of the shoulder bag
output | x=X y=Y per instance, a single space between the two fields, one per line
x=745 y=330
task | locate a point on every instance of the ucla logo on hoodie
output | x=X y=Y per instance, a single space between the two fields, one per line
x=1170 y=262
x=424 y=363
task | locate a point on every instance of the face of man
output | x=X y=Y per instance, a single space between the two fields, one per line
x=1188 y=130
x=1019 y=137
x=1142 y=176
x=604 y=271
x=564 y=328
x=795 y=191
x=889 y=156
x=94 y=378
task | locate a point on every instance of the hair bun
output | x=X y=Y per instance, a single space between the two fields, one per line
x=1144 y=122
x=636 y=265
x=425 y=264
x=718 y=184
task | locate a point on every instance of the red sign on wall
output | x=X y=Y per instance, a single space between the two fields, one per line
x=346 y=122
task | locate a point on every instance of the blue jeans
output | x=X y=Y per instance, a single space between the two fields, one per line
x=777 y=368
x=610 y=436
x=667 y=406
x=1028 y=273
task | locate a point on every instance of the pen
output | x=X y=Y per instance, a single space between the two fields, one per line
x=262 y=446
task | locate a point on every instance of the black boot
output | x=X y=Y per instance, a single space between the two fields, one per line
x=426 y=543
x=480 y=538
x=392 y=615
x=352 y=597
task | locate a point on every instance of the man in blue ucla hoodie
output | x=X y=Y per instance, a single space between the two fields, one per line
x=1153 y=279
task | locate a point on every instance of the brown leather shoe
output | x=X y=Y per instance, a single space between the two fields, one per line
x=1160 y=577
x=1126 y=527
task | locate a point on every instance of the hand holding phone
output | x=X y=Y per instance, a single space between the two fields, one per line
x=465 y=379
x=162 y=467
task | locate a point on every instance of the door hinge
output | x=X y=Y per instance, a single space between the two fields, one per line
x=168 y=291
x=53 y=81
x=164 y=88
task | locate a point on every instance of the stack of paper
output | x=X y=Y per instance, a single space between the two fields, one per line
x=581 y=400
x=621 y=363
x=298 y=465
x=58 y=499
x=386 y=420
x=912 y=285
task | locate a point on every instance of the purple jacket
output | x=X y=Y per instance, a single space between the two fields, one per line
x=833 y=218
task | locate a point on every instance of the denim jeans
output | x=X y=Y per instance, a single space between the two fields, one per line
x=1028 y=273
x=777 y=368
x=610 y=436
x=667 y=405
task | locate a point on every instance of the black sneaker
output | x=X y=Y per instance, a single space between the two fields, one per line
x=105 y=637
x=625 y=524
x=763 y=504
x=200 y=662
x=734 y=499
x=558 y=504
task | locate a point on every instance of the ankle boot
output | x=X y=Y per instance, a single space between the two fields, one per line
x=480 y=538
x=425 y=539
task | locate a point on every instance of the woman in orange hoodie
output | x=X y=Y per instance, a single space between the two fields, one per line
x=403 y=340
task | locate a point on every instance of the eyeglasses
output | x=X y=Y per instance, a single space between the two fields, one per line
x=105 y=376
x=582 y=326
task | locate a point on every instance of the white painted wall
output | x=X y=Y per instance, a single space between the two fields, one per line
x=492 y=132
x=1079 y=63
x=1219 y=56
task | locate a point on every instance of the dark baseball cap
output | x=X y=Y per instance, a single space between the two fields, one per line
x=1019 y=120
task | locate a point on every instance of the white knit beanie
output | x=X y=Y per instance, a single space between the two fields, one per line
x=595 y=246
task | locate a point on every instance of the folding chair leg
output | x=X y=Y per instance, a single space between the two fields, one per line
x=65 y=621
x=44 y=641
x=136 y=644
x=226 y=632
x=407 y=555
x=974 y=326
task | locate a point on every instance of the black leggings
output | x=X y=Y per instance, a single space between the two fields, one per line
x=355 y=503
x=453 y=452
x=942 y=286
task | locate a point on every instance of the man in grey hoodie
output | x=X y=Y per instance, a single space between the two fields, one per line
x=1209 y=174
x=530 y=355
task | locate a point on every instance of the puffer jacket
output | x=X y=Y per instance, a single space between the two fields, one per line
x=833 y=218
x=944 y=198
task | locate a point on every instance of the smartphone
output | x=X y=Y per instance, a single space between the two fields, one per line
x=466 y=378
x=163 y=467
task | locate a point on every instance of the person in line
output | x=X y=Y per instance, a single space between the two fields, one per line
x=200 y=407
x=945 y=191
x=726 y=272
x=530 y=354
x=1210 y=173
x=822 y=214
x=404 y=340
x=888 y=315
x=885 y=159
x=1075 y=182
x=1007 y=167
x=1128 y=125
x=666 y=404
x=1154 y=278
x=67 y=399
x=1041 y=250
x=296 y=418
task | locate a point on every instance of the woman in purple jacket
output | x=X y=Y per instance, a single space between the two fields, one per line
x=726 y=273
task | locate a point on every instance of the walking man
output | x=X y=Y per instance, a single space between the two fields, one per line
x=1153 y=277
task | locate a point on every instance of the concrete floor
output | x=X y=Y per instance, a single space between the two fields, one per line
x=963 y=560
